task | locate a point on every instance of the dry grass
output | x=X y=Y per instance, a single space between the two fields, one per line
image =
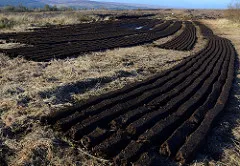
x=34 y=85
x=19 y=22
x=4 y=45
x=169 y=38
x=25 y=21
x=233 y=14
x=29 y=90
x=226 y=28
x=233 y=11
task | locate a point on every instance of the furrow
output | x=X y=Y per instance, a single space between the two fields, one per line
x=142 y=121
x=196 y=139
x=105 y=116
x=170 y=147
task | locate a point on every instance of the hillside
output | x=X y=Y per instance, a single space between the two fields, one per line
x=27 y=3
x=73 y=3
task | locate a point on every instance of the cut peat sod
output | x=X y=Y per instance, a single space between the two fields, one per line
x=69 y=41
x=169 y=114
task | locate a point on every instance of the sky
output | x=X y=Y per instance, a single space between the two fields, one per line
x=212 y=4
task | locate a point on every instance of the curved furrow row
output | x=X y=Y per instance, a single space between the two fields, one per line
x=206 y=31
x=73 y=47
x=184 y=142
x=48 y=36
x=144 y=98
x=168 y=114
x=112 y=33
x=134 y=16
x=163 y=128
x=68 y=31
x=146 y=122
x=130 y=92
x=147 y=115
x=185 y=41
x=196 y=139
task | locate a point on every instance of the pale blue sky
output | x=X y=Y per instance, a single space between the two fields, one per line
x=179 y=3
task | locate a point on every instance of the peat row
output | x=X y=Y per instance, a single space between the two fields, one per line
x=169 y=114
x=99 y=45
x=98 y=35
x=51 y=35
x=63 y=49
x=206 y=31
x=185 y=41
x=134 y=16
x=78 y=29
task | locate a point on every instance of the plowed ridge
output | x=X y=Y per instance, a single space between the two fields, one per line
x=169 y=114
x=206 y=31
x=69 y=41
x=185 y=41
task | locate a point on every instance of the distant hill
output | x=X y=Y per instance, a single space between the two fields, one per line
x=27 y=3
x=73 y=3
x=90 y=4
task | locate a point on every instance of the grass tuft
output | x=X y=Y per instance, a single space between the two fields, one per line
x=6 y=23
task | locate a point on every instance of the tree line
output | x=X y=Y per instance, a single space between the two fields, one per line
x=21 y=8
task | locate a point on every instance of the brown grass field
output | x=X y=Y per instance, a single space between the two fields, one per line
x=29 y=90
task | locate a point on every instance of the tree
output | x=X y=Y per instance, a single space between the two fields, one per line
x=47 y=7
x=9 y=8
x=50 y=8
x=54 y=8
x=22 y=8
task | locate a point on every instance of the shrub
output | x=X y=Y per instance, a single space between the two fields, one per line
x=9 y=8
x=19 y=8
x=83 y=18
x=6 y=23
x=50 y=8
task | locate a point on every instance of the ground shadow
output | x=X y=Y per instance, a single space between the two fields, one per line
x=64 y=93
